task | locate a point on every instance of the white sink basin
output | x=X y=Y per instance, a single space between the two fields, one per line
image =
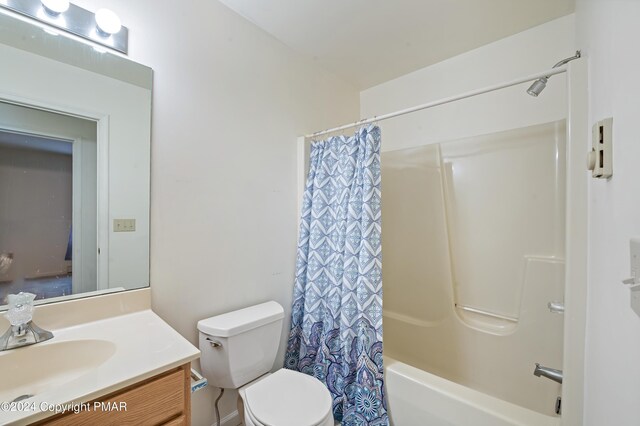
x=38 y=368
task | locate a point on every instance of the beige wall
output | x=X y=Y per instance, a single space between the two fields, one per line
x=608 y=33
x=35 y=213
x=528 y=52
x=84 y=135
x=229 y=102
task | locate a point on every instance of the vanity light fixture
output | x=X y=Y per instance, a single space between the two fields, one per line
x=107 y=22
x=101 y=28
x=55 y=7
x=51 y=31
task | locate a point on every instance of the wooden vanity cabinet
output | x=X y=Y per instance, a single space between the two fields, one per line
x=164 y=399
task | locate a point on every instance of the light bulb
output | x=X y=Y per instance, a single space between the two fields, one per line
x=108 y=22
x=55 y=7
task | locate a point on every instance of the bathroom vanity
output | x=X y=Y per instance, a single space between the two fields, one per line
x=162 y=400
x=113 y=350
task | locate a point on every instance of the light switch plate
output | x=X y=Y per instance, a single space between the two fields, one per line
x=124 y=225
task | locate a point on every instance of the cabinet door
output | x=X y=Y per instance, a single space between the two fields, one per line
x=178 y=421
x=164 y=399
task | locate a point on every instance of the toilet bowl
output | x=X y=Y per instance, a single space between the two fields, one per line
x=286 y=398
x=238 y=351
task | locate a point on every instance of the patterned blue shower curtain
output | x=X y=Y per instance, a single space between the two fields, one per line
x=336 y=321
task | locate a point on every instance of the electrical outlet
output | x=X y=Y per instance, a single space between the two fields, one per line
x=124 y=225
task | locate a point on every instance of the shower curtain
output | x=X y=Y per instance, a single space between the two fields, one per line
x=336 y=320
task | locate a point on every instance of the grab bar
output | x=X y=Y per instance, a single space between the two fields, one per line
x=483 y=312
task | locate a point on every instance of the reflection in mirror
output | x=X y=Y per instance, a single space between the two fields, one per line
x=48 y=207
x=75 y=136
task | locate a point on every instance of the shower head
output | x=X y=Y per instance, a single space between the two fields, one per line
x=539 y=85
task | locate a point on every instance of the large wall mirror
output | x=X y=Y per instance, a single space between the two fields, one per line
x=74 y=166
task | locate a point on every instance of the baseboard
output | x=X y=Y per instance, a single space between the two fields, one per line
x=232 y=419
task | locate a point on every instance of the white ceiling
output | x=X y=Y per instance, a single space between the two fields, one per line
x=367 y=42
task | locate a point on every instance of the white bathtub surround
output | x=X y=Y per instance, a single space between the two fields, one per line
x=504 y=196
x=470 y=267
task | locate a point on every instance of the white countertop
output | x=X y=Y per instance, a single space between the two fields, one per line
x=144 y=346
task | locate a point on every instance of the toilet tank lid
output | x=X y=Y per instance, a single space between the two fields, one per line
x=242 y=320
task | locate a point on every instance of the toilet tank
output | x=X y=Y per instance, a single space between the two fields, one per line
x=240 y=346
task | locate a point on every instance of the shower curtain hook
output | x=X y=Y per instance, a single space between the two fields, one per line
x=315 y=137
x=361 y=124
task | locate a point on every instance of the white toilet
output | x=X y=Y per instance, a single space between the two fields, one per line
x=238 y=351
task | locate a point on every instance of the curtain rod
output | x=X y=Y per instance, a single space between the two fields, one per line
x=547 y=73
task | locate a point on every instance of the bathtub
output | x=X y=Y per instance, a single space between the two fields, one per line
x=418 y=398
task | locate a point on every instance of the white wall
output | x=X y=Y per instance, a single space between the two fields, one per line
x=531 y=51
x=228 y=104
x=608 y=33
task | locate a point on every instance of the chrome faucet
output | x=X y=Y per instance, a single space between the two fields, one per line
x=23 y=331
x=549 y=373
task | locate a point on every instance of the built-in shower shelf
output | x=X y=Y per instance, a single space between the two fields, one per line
x=486 y=321
x=487 y=313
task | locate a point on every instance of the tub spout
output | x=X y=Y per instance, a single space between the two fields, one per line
x=549 y=373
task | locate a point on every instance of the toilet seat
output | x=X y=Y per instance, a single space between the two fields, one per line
x=288 y=398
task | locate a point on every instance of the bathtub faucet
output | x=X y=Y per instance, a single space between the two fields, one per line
x=549 y=373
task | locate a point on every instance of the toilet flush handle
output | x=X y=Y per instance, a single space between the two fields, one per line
x=214 y=343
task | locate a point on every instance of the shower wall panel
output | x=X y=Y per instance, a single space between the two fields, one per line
x=416 y=248
x=477 y=223
x=504 y=199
